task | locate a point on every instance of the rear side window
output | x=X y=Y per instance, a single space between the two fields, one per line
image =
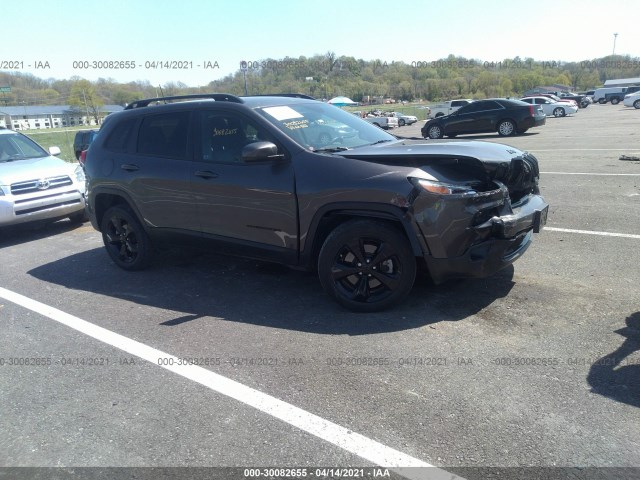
x=119 y=137
x=164 y=135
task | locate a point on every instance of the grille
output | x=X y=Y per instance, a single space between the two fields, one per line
x=40 y=185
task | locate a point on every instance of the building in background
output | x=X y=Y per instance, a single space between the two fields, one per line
x=49 y=116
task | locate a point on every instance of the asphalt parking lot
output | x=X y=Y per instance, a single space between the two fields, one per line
x=538 y=366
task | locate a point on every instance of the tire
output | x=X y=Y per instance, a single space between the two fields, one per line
x=126 y=241
x=559 y=112
x=435 y=131
x=401 y=123
x=506 y=128
x=615 y=100
x=352 y=261
x=602 y=101
x=377 y=125
x=636 y=104
x=439 y=114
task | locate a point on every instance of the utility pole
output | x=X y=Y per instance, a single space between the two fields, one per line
x=615 y=36
x=85 y=104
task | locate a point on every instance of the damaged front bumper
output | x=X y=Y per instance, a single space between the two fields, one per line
x=477 y=235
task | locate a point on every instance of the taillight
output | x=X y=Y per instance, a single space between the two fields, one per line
x=83 y=157
x=531 y=111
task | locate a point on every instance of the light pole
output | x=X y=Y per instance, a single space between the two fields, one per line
x=615 y=36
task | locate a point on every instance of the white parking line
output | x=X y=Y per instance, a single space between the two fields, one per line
x=592 y=232
x=585 y=150
x=595 y=174
x=364 y=447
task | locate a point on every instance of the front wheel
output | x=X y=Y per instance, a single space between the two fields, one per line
x=401 y=123
x=636 y=104
x=435 y=131
x=602 y=101
x=615 y=101
x=126 y=241
x=559 y=112
x=506 y=128
x=366 y=266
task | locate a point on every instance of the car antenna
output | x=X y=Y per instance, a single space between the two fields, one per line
x=161 y=92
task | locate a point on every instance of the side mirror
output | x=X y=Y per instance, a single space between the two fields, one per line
x=260 y=152
x=55 y=151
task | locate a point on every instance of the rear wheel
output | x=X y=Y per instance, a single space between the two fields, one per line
x=602 y=101
x=401 y=123
x=559 y=112
x=506 y=128
x=615 y=101
x=366 y=266
x=126 y=241
x=636 y=104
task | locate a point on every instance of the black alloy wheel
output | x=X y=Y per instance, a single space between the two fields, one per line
x=366 y=266
x=126 y=242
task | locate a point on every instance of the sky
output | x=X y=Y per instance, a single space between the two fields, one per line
x=210 y=38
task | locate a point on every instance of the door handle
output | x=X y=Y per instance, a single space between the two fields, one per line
x=206 y=174
x=129 y=167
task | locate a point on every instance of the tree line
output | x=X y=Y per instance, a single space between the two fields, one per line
x=329 y=75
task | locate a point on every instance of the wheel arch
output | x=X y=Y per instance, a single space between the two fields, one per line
x=331 y=216
x=104 y=199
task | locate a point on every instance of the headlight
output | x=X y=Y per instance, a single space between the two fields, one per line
x=440 y=188
x=79 y=173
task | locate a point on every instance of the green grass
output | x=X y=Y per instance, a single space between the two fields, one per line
x=58 y=137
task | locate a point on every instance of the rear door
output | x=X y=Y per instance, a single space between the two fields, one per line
x=156 y=175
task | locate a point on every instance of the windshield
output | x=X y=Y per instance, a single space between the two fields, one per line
x=322 y=127
x=18 y=147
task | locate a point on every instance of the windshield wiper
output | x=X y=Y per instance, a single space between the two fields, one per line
x=331 y=149
x=381 y=141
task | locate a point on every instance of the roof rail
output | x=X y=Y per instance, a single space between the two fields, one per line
x=290 y=95
x=218 y=97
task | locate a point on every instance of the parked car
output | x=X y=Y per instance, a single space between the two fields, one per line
x=82 y=140
x=632 y=100
x=507 y=117
x=588 y=94
x=582 y=101
x=551 y=107
x=404 y=119
x=555 y=98
x=245 y=174
x=35 y=185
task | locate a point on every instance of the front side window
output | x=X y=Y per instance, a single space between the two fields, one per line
x=223 y=135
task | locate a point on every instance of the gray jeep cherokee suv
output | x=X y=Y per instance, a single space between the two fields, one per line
x=259 y=177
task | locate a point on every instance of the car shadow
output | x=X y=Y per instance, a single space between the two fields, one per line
x=28 y=232
x=201 y=285
x=615 y=375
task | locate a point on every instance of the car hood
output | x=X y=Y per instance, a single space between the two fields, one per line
x=33 y=168
x=487 y=160
x=414 y=154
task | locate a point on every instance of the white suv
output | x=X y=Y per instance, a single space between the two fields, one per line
x=34 y=185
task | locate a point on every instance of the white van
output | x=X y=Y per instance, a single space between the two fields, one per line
x=615 y=94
